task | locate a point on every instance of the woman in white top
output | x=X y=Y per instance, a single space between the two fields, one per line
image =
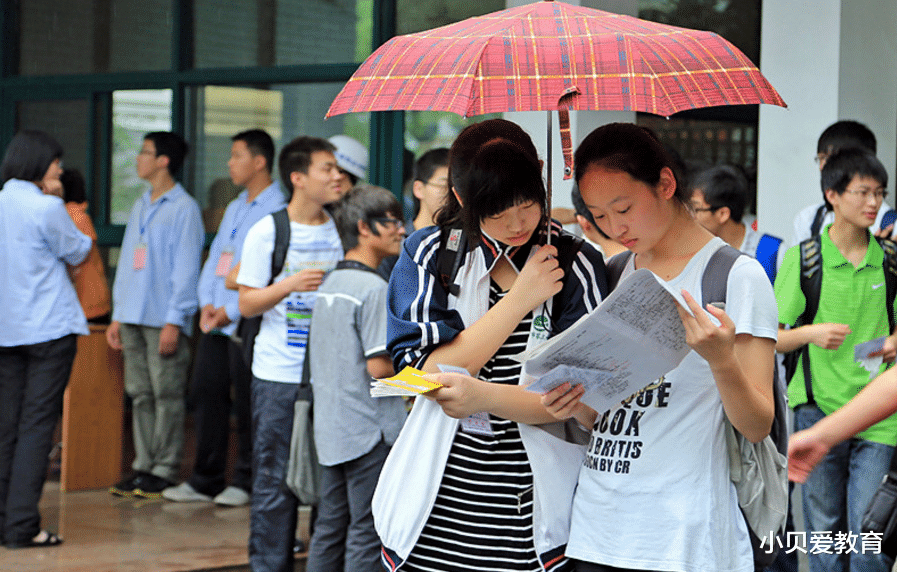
x=655 y=492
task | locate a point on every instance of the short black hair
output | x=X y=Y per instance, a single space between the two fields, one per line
x=296 y=156
x=259 y=143
x=425 y=166
x=723 y=186
x=363 y=203
x=73 y=188
x=842 y=166
x=170 y=145
x=846 y=133
x=29 y=155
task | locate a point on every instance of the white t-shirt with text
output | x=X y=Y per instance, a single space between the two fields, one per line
x=279 y=349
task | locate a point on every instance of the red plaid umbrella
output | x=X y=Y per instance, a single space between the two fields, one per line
x=551 y=55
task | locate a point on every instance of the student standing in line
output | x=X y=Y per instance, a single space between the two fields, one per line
x=309 y=169
x=352 y=430
x=153 y=303
x=472 y=482
x=219 y=362
x=658 y=496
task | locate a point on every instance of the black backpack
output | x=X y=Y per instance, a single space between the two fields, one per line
x=713 y=289
x=248 y=328
x=811 y=284
x=453 y=249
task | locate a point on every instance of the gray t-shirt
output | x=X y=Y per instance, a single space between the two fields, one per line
x=348 y=327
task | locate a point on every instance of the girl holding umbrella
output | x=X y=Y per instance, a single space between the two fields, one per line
x=673 y=484
x=471 y=480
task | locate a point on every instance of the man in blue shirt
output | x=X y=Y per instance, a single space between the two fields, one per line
x=154 y=299
x=219 y=361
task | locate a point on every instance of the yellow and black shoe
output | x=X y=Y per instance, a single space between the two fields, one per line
x=127 y=487
x=151 y=486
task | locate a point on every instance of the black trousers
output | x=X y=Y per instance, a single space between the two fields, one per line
x=592 y=567
x=219 y=364
x=32 y=383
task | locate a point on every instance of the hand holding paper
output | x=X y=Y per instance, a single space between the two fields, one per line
x=408 y=382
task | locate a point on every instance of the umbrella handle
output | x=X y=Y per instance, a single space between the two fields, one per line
x=548 y=183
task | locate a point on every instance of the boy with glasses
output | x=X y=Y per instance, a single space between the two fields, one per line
x=353 y=431
x=851 y=310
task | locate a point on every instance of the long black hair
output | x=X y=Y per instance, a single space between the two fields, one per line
x=29 y=155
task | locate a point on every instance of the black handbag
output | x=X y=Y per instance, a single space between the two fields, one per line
x=881 y=514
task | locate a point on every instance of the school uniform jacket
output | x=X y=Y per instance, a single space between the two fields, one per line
x=423 y=315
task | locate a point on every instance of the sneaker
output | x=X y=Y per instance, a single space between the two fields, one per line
x=126 y=487
x=151 y=486
x=184 y=493
x=232 y=496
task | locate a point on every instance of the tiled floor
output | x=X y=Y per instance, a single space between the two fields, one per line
x=105 y=533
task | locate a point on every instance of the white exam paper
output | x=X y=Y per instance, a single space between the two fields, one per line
x=634 y=337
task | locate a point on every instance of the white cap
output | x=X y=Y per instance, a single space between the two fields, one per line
x=351 y=155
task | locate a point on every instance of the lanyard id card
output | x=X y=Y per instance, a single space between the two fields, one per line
x=140 y=256
x=477 y=424
x=225 y=262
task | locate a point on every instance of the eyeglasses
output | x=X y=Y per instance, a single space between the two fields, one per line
x=864 y=194
x=820 y=158
x=704 y=209
x=389 y=222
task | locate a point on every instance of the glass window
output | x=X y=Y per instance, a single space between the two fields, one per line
x=418 y=15
x=284 y=111
x=91 y=36
x=232 y=33
x=134 y=114
x=65 y=120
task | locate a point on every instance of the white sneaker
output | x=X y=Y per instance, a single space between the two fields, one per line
x=184 y=493
x=232 y=496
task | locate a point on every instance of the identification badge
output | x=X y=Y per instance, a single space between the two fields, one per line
x=477 y=424
x=140 y=256
x=298 y=319
x=225 y=261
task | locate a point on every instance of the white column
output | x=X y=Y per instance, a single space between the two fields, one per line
x=581 y=122
x=830 y=60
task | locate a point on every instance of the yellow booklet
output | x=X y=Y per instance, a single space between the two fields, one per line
x=409 y=381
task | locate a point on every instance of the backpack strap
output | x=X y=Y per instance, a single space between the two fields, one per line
x=767 y=254
x=568 y=246
x=281 y=242
x=810 y=285
x=452 y=248
x=816 y=225
x=615 y=265
x=716 y=274
x=890 y=270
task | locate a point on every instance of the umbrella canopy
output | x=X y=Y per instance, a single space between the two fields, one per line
x=551 y=55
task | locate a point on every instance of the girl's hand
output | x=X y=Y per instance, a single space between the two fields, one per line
x=713 y=343
x=805 y=450
x=563 y=401
x=888 y=351
x=460 y=395
x=540 y=278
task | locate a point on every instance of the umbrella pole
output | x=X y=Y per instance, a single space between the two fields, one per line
x=548 y=182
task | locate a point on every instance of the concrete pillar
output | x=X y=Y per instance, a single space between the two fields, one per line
x=830 y=60
x=581 y=122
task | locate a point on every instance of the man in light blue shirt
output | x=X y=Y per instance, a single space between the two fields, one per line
x=219 y=360
x=154 y=299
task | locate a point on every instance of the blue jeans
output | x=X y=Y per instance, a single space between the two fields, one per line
x=837 y=493
x=272 y=528
x=344 y=538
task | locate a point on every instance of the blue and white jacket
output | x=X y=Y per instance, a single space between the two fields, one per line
x=423 y=315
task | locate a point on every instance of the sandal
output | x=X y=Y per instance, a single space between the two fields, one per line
x=51 y=539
